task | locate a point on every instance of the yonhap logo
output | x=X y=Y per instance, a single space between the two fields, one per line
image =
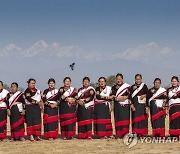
x=130 y=140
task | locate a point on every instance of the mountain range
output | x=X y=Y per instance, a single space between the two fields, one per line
x=44 y=60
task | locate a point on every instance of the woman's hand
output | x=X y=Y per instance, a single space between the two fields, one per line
x=121 y=98
x=167 y=111
x=132 y=107
x=164 y=105
x=70 y=100
x=142 y=97
x=81 y=102
x=110 y=97
x=147 y=110
x=53 y=105
x=23 y=112
x=41 y=105
x=8 y=112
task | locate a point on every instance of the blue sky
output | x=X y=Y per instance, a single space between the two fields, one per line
x=102 y=25
x=99 y=28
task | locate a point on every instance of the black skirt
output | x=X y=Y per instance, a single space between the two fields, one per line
x=174 y=118
x=139 y=118
x=50 y=122
x=67 y=119
x=33 y=119
x=102 y=120
x=3 y=123
x=157 y=120
x=84 y=117
x=122 y=119
x=16 y=122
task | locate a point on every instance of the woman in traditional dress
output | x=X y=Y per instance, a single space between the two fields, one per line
x=67 y=109
x=174 y=107
x=33 y=110
x=3 y=112
x=16 y=112
x=50 y=98
x=102 y=110
x=86 y=96
x=120 y=91
x=156 y=100
x=139 y=107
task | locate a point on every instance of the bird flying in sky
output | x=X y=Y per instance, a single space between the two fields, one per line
x=72 y=66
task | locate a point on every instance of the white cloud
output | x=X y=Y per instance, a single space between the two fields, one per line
x=94 y=55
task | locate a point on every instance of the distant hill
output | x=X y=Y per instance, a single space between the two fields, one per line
x=45 y=60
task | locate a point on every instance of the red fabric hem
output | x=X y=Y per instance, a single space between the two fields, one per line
x=122 y=132
x=174 y=131
x=143 y=131
x=103 y=133
x=34 y=130
x=18 y=134
x=3 y=135
x=85 y=135
x=51 y=134
x=159 y=131
x=68 y=133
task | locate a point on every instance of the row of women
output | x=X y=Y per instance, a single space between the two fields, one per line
x=89 y=106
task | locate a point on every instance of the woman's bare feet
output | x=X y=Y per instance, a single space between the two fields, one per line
x=89 y=138
x=32 y=138
x=21 y=139
x=111 y=137
x=12 y=139
x=38 y=138
x=64 y=138
x=50 y=139
x=4 y=140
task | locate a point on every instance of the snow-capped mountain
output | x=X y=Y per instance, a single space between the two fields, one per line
x=150 y=54
x=41 y=48
x=44 y=60
x=145 y=52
